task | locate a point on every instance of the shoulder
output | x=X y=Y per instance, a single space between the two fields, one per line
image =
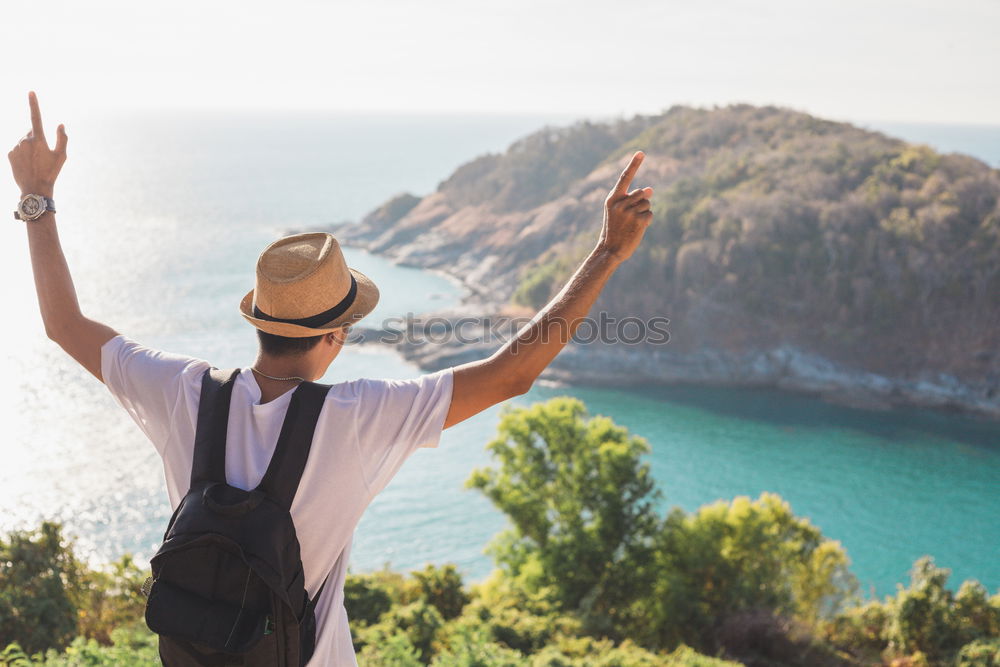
x=368 y=389
x=155 y=387
x=394 y=404
x=122 y=357
x=122 y=346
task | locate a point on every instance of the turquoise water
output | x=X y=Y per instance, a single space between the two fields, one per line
x=162 y=220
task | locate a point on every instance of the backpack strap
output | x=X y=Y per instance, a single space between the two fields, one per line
x=281 y=480
x=209 y=462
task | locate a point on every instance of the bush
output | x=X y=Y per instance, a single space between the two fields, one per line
x=394 y=649
x=925 y=618
x=47 y=596
x=130 y=646
x=441 y=587
x=367 y=597
x=109 y=598
x=860 y=629
x=730 y=559
x=38 y=579
x=418 y=622
x=473 y=646
x=980 y=653
x=588 y=576
x=590 y=652
x=519 y=619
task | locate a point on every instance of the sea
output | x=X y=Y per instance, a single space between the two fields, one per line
x=162 y=217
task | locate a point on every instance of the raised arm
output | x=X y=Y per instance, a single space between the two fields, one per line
x=514 y=367
x=36 y=168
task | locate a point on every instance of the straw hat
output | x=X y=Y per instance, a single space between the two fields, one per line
x=305 y=288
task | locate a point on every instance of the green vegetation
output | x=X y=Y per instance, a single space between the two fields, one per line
x=581 y=504
x=540 y=282
x=785 y=227
x=50 y=600
x=131 y=646
x=540 y=167
x=588 y=575
x=927 y=621
x=391 y=211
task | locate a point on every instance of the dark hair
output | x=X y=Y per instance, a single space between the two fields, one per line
x=283 y=346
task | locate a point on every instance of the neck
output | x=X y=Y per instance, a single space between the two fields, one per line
x=286 y=367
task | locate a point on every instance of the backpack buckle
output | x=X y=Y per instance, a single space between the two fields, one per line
x=268 y=626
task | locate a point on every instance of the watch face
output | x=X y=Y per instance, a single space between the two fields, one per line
x=31 y=207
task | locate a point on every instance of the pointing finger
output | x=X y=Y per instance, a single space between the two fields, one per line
x=36 y=117
x=621 y=187
x=61 y=139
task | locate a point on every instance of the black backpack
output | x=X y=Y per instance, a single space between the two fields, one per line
x=227 y=585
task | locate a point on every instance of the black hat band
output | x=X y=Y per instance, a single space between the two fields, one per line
x=319 y=319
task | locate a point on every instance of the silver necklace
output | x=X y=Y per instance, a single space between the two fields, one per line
x=271 y=377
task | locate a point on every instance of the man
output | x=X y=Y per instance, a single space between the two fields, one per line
x=304 y=299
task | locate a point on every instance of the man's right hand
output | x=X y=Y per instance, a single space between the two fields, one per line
x=35 y=165
x=626 y=214
x=513 y=368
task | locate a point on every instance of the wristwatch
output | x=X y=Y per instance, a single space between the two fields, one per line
x=32 y=207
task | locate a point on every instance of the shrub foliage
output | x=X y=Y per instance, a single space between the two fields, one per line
x=587 y=575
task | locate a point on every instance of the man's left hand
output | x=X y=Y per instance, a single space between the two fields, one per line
x=35 y=165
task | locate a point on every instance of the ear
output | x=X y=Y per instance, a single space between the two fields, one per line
x=338 y=336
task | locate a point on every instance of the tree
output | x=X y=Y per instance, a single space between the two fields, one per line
x=925 y=618
x=581 y=503
x=38 y=576
x=585 y=534
x=929 y=618
x=737 y=562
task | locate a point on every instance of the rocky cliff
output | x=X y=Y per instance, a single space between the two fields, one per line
x=785 y=250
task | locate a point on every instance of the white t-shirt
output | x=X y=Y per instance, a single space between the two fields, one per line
x=366 y=430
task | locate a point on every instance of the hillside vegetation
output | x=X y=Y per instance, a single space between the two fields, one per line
x=771 y=228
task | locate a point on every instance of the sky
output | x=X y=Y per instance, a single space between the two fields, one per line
x=893 y=60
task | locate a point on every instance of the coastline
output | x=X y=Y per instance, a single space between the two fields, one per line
x=784 y=367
